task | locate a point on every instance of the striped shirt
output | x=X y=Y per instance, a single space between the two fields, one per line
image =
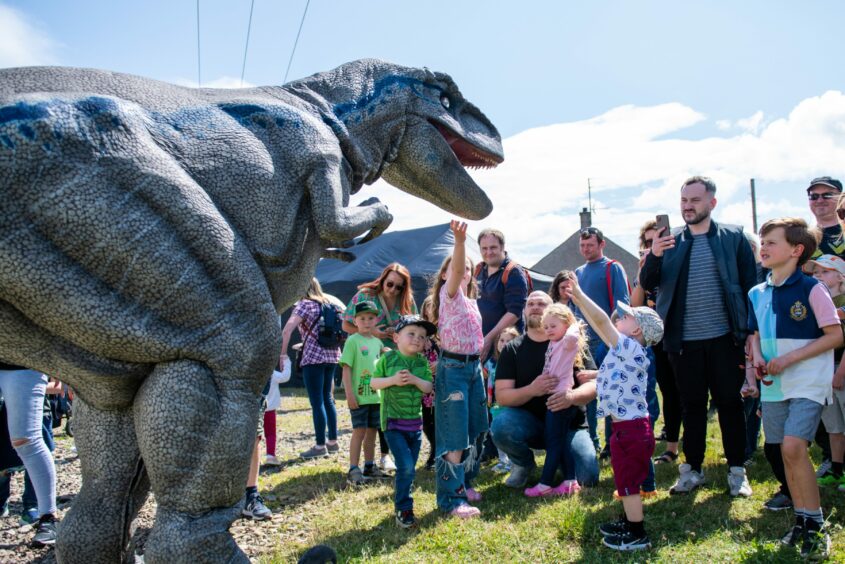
x=705 y=312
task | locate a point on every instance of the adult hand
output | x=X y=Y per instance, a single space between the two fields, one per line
x=485 y=347
x=839 y=380
x=662 y=242
x=459 y=231
x=543 y=384
x=559 y=401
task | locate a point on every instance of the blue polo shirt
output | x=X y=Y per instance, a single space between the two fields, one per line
x=494 y=300
x=788 y=317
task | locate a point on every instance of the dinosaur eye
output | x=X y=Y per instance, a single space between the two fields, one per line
x=444 y=99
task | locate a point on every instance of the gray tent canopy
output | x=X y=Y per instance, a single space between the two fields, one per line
x=421 y=250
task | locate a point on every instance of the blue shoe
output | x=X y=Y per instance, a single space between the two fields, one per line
x=29 y=516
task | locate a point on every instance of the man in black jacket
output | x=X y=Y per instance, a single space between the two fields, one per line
x=704 y=272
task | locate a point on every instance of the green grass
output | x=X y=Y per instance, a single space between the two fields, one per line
x=316 y=506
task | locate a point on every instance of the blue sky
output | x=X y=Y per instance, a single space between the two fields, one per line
x=634 y=95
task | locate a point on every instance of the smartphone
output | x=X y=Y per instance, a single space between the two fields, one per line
x=662 y=223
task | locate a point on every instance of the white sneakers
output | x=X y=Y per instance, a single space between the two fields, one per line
x=738 y=482
x=688 y=480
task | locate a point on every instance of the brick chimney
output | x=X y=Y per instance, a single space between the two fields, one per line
x=586 y=218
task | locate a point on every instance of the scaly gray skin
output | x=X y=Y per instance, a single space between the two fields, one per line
x=149 y=236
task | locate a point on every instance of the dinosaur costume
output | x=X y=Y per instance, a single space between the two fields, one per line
x=150 y=235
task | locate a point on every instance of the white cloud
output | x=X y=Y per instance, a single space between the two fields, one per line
x=22 y=43
x=636 y=167
x=219 y=82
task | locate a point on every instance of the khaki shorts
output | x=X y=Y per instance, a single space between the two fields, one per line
x=833 y=415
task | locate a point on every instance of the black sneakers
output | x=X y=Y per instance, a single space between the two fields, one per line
x=816 y=542
x=614 y=527
x=794 y=535
x=618 y=536
x=45 y=533
x=406 y=519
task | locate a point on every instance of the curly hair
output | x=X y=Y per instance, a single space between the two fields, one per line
x=565 y=314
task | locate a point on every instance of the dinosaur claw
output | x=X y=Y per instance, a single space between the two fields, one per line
x=337 y=254
x=377 y=230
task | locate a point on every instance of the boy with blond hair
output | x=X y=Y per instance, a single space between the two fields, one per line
x=795 y=329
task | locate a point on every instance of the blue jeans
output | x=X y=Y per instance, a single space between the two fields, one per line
x=516 y=431
x=557 y=454
x=598 y=351
x=23 y=392
x=405 y=446
x=319 y=383
x=461 y=424
x=9 y=459
x=752 y=425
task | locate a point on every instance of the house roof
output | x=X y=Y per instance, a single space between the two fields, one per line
x=567 y=256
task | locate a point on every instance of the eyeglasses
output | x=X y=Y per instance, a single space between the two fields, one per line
x=823 y=196
x=840 y=213
x=391 y=285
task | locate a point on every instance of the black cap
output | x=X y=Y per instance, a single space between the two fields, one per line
x=825 y=181
x=365 y=307
x=406 y=320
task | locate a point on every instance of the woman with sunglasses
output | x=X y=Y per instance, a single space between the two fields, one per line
x=394 y=297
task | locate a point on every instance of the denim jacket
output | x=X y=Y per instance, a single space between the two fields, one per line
x=737 y=272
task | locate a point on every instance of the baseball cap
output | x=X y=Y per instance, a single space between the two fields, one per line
x=406 y=320
x=647 y=319
x=829 y=262
x=825 y=181
x=365 y=307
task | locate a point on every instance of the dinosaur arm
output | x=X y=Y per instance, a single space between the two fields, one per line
x=328 y=190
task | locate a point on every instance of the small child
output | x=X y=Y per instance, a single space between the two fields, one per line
x=621 y=387
x=830 y=271
x=507 y=335
x=795 y=329
x=358 y=361
x=566 y=343
x=404 y=376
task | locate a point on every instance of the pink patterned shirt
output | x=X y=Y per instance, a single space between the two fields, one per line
x=459 y=327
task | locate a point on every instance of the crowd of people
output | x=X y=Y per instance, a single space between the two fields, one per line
x=490 y=368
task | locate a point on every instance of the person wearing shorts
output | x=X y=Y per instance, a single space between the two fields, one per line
x=358 y=361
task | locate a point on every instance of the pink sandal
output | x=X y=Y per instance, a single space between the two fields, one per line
x=567 y=487
x=465 y=511
x=537 y=491
x=473 y=495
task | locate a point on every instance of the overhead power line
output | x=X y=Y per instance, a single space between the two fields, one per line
x=246 y=47
x=199 y=69
x=296 y=41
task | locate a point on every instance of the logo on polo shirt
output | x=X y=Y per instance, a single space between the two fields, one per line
x=798 y=311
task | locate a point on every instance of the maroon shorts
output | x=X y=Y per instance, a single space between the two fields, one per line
x=631 y=447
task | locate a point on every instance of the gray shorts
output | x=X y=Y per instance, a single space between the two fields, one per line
x=833 y=415
x=798 y=417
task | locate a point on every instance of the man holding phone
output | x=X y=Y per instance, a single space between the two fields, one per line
x=703 y=273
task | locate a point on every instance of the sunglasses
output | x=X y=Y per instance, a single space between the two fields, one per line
x=840 y=213
x=823 y=196
x=588 y=232
x=392 y=285
x=648 y=243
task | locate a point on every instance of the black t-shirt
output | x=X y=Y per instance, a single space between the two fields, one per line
x=522 y=360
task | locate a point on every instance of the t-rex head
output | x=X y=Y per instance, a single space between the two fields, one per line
x=411 y=126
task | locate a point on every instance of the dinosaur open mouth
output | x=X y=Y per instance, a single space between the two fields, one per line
x=468 y=155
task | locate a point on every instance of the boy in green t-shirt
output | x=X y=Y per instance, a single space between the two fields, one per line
x=358 y=361
x=404 y=376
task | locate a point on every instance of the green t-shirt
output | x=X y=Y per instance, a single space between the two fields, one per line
x=401 y=402
x=383 y=319
x=360 y=354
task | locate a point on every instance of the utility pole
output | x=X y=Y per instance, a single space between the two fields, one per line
x=753 y=207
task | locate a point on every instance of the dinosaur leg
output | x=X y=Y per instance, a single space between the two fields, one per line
x=98 y=527
x=196 y=434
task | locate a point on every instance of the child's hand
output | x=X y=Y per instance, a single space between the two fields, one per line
x=459 y=230
x=839 y=379
x=403 y=378
x=779 y=364
x=351 y=400
x=749 y=391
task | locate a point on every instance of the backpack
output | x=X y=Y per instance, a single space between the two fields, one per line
x=610 y=283
x=329 y=327
x=511 y=265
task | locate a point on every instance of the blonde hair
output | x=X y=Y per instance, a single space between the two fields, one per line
x=506 y=331
x=565 y=314
x=315 y=292
x=437 y=283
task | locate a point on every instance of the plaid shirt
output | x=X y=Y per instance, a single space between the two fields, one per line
x=312 y=352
